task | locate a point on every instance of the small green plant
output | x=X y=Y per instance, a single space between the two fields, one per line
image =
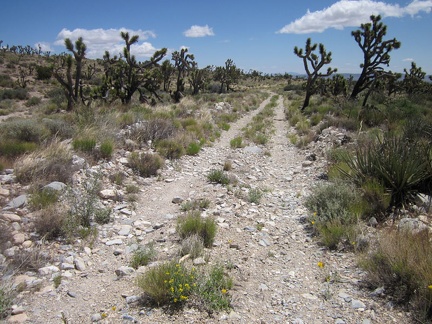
x=13 y=149
x=33 y=101
x=145 y=164
x=255 y=195
x=218 y=176
x=236 y=142
x=102 y=215
x=132 y=189
x=142 y=256
x=227 y=165
x=24 y=130
x=214 y=288
x=57 y=280
x=193 y=223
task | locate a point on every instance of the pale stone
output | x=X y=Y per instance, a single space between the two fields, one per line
x=19 y=238
x=19 y=318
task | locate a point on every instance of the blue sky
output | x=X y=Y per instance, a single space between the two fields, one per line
x=258 y=35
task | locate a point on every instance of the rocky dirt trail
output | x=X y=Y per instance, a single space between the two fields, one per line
x=271 y=257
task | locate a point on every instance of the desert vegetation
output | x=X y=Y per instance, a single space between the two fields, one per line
x=62 y=114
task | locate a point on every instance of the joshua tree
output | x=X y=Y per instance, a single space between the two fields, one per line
x=198 y=78
x=414 y=79
x=182 y=63
x=312 y=64
x=375 y=52
x=167 y=70
x=72 y=89
x=227 y=75
x=126 y=76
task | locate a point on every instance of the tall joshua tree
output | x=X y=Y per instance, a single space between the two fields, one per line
x=313 y=64
x=183 y=62
x=65 y=78
x=375 y=52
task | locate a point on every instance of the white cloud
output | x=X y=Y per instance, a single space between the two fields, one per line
x=45 y=47
x=100 y=40
x=199 y=31
x=350 y=13
x=408 y=59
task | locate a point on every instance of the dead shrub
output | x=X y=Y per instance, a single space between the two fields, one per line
x=49 y=222
x=145 y=164
x=154 y=129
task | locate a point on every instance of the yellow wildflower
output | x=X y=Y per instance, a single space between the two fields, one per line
x=315 y=213
x=172 y=289
x=175 y=300
x=167 y=273
x=224 y=291
x=430 y=286
x=313 y=222
x=321 y=264
x=104 y=315
x=183 y=297
x=187 y=286
x=114 y=308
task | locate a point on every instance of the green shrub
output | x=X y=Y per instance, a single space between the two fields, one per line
x=24 y=130
x=218 y=176
x=33 y=101
x=142 y=256
x=236 y=142
x=86 y=145
x=170 y=148
x=41 y=199
x=43 y=72
x=402 y=264
x=336 y=208
x=15 y=94
x=193 y=223
x=102 y=215
x=154 y=129
x=58 y=128
x=6 y=81
x=193 y=148
x=168 y=283
x=145 y=164
x=12 y=149
x=254 y=195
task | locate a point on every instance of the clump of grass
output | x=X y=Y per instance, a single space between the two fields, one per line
x=193 y=246
x=6 y=301
x=41 y=199
x=106 y=149
x=145 y=164
x=84 y=144
x=227 y=165
x=102 y=215
x=142 y=256
x=196 y=204
x=193 y=148
x=402 y=264
x=174 y=284
x=49 y=222
x=236 y=142
x=24 y=130
x=255 y=195
x=53 y=163
x=13 y=148
x=57 y=280
x=218 y=176
x=170 y=148
x=193 y=223
x=168 y=283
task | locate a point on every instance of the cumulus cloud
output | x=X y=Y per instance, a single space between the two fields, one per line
x=45 y=47
x=199 y=31
x=100 y=40
x=351 y=13
x=408 y=59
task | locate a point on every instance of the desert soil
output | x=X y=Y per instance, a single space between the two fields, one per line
x=275 y=268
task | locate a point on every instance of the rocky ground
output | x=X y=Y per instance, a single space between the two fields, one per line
x=271 y=256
